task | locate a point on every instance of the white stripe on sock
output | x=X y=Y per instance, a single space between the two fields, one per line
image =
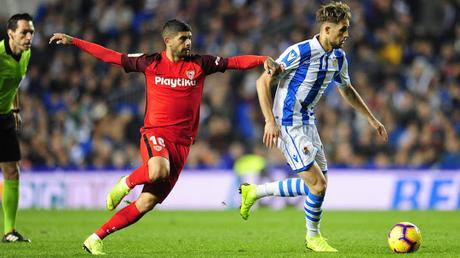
x=273 y=189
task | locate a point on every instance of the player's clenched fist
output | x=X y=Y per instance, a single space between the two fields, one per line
x=61 y=38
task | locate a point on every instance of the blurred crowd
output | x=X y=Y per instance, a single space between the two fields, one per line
x=404 y=60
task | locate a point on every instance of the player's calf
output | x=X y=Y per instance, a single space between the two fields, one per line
x=146 y=202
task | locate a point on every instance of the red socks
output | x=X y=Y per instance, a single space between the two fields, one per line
x=139 y=176
x=129 y=214
x=123 y=218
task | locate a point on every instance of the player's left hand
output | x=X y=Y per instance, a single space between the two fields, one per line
x=272 y=67
x=381 y=131
x=17 y=121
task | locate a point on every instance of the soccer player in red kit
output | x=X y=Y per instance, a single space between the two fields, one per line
x=174 y=86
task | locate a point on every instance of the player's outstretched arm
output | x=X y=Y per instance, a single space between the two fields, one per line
x=250 y=61
x=353 y=97
x=104 y=54
x=271 y=130
x=245 y=62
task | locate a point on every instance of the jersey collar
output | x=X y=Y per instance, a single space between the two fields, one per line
x=318 y=45
x=9 y=52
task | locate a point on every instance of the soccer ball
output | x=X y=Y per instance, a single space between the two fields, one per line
x=404 y=237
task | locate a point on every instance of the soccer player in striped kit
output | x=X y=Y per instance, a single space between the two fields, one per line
x=14 y=59
x=306 y=69
x=174 y=85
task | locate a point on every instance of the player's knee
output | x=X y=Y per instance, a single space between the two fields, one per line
x=158 y=171
x=320 y=187
x=11 y=170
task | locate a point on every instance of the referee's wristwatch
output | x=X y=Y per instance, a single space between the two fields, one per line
x=16 y=110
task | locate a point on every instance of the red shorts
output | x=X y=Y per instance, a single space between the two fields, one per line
x=153 y=144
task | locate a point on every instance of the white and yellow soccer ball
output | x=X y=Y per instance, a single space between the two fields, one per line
x=404 y=237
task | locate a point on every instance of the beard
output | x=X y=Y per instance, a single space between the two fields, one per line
x=337 y=44
x=185 y=52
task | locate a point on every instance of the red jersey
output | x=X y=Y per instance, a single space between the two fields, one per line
x=174 y=91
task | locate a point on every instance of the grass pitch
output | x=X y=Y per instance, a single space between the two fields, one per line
x=267 y=233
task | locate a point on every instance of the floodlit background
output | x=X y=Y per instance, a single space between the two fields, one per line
x=82 y=117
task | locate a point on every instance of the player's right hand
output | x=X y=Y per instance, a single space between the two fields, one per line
x=61 y=38
x=271 y=134
x=381 y=131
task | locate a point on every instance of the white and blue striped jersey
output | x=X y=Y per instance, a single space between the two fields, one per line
x=308 y=71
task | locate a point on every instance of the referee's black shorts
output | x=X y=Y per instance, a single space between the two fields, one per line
x=9 y=143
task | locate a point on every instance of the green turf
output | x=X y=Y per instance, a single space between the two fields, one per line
x=223 y=234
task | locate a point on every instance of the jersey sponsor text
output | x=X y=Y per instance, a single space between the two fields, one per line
x=174 y=82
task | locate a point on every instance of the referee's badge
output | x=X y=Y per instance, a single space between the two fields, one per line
x=191 y=74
